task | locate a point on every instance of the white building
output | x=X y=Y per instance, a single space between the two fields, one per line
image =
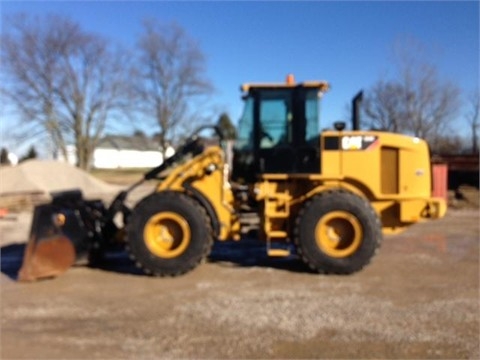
x=123 y=152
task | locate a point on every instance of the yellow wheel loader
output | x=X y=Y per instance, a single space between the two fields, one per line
x=328 y=195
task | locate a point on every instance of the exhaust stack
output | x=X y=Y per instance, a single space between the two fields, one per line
x=356 y=103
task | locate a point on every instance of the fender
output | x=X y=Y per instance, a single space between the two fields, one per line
x=197 y=195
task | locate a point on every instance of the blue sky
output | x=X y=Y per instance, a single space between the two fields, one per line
x=347 y=43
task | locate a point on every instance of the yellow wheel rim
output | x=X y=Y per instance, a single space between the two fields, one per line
x=167 y=235
x=338 y=234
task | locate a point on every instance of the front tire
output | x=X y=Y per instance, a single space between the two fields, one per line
x=337 y=232
x=169 y=234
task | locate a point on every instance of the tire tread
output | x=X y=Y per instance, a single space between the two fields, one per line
x=146 y=205
x=351 y=200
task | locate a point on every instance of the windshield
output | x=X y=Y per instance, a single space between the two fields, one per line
x=245 y=127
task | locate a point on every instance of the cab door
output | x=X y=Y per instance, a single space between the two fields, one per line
x=284 y=123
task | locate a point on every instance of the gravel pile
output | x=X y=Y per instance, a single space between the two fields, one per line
x=46 y=176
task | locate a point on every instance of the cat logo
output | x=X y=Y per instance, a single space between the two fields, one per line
x=359 y=142
x=351 y=143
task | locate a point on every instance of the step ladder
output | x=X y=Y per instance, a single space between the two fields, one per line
x=276 y=208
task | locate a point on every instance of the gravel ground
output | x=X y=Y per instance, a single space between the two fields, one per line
x=418 y=299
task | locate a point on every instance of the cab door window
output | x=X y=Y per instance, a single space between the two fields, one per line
x=275 y=119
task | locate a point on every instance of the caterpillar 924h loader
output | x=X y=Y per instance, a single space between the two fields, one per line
x=329 y=195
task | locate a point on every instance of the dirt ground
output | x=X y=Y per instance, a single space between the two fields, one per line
x=419 y=298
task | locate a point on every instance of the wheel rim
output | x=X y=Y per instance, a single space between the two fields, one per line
x=167 y=235
x=338 y=234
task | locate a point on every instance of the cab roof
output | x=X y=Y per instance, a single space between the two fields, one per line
x=322 y=86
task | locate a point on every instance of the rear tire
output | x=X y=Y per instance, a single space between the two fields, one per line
x=169 y=234
x=337 y=232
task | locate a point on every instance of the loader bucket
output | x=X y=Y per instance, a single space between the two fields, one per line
x=46 y=257
x=57 y=239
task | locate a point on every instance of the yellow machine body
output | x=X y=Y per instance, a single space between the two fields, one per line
x=391 y=171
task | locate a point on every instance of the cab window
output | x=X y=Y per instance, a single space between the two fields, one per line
x=245 y=136
x=275 y=118
x=312 y=104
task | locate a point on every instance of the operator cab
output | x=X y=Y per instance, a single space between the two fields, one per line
x=278 y=131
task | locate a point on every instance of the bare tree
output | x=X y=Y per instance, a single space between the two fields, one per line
x=63 y=81
x=171 y=71
x=417 y=101
x=473 y=118
x=384 y=107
